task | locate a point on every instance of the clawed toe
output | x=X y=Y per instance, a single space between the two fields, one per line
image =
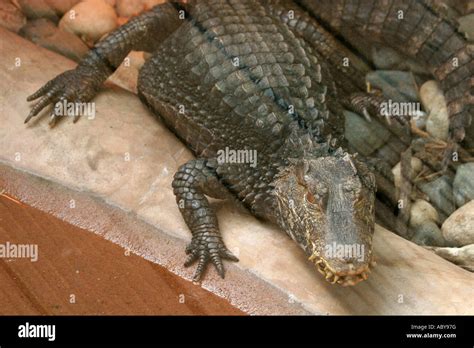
x=71 y=86
x=206 y=253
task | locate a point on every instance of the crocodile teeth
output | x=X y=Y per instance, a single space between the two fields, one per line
x=364 y=275
x=329 y=275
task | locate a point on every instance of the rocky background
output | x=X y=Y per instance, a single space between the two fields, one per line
x=438 y=209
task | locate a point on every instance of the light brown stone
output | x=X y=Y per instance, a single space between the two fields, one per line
x=129 y=8
x=61 y=6
x=11 y=17
x=43 y=32
x=458 y=229
x=434 y=102
x=416 y=166
x=422 y=212
x=37 y=9
x=90 y=20
x=463 y=257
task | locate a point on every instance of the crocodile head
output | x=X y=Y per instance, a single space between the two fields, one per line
x=326 y=204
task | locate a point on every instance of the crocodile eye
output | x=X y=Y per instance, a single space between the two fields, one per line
x=317 y=198
x=351 y=188
x=348 y=188
x=310 y=198
x=320 y=189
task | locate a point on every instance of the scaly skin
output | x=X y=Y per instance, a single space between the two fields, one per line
x=348 y=78
x=246 y=106
x=241 y=75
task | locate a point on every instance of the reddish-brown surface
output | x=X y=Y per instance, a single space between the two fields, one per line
x=100 y=276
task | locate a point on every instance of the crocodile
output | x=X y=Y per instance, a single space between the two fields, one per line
x=238 y=78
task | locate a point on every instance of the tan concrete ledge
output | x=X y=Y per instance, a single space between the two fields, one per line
x=126 y=158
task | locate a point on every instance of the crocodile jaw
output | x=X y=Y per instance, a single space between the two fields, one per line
x=349 y=277
x=326 y=201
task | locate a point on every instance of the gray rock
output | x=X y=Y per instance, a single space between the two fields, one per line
x=458 y=229
x=45 y=34
x=461 y=7
x=466 y=25
x=385 y=58
x=398 y=86
x=11 y=17
x=390 y=152
x=423 y=224
x=365 y=137
x=440 y=193
x=463 y=184
x=34 y=9
x=428 y=234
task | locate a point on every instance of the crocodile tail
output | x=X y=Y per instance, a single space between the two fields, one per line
x=421 y=29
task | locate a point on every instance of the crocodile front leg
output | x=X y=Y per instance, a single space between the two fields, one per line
x=79 y=85
x=191 y=183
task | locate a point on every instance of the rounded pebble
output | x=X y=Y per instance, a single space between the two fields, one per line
x=90 y=20
x=458 y=229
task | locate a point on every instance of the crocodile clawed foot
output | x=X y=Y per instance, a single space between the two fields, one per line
x=373 y=104
x=207 y=249
x=73 y=86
